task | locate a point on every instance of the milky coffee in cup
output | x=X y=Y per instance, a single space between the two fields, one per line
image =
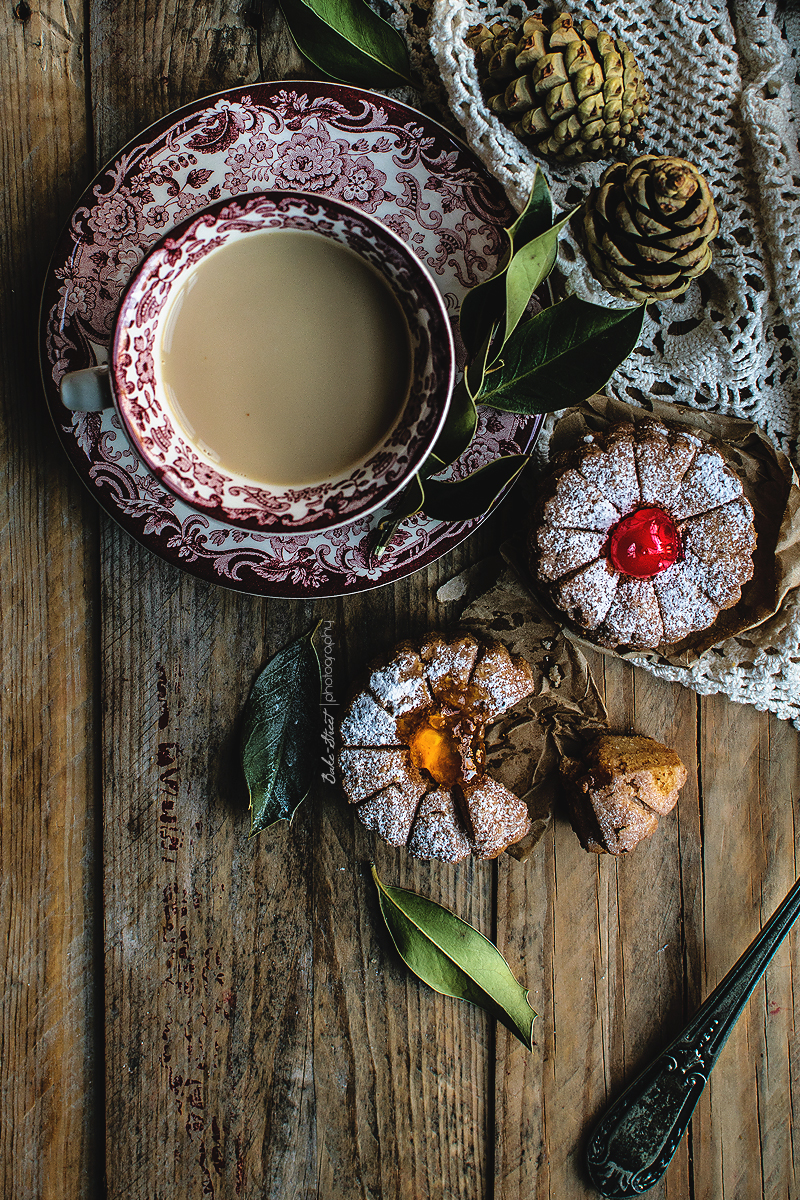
x=281 y=362
x=285 y=357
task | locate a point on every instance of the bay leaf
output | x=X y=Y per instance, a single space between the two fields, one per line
x=347 y=41
x=281 y=731
x=529 y=267
x=537 y=215
x=476 y=370
x=460 y=424
x=561 y=356
x=483 y=307
x=465 y=499
x=407 y=504
x=453 y=958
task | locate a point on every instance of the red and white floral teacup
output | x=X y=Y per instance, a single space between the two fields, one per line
x=181 y=458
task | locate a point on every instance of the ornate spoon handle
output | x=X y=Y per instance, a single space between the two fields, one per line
x=632 y=1146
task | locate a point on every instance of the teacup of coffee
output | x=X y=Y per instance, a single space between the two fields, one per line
x=281 y=362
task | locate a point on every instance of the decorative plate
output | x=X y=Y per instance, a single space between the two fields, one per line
x=374 y=153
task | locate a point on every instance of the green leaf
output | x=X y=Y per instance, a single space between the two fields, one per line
x=482 y=310
x=462 y=415
x=474 y=495
x=484 y=305
x=536 y=216
x=407 y=505
x=561 y=356
x=476 y=370
x=459 y=427
x=281 y=732
x=349 y=42
x=454 y=959
x=529 y=267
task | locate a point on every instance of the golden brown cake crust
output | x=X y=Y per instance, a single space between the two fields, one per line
x=617 y=790
x=410 y=752
x=604 y=479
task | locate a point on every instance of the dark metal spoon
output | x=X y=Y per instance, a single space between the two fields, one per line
x=632 y=1146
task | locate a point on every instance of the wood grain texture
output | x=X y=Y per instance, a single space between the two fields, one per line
x=259 y=1029
x=603 y=940
x=743 y=1135
x=208 y=935
x=261 y=1037
x=148 y=61
x=51 y=1142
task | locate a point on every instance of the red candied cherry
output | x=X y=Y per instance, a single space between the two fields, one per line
x=644 y=543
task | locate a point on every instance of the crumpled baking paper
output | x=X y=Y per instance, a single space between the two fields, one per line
x=524 y=748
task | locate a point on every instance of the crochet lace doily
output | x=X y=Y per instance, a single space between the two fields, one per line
x=721 y=94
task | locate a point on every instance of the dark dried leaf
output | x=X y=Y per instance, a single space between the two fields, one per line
x=280 y=738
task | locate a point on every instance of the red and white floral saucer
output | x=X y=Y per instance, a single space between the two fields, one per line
x=376 y=154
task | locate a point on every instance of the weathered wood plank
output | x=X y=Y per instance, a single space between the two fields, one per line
x=600 y=943
x=743 y=1145
x=50 y=1141
x=313 y=1102
x=147 y=63
x=208 y=936
x=260 y=1032
x=417 y=1065
x=259 y=1029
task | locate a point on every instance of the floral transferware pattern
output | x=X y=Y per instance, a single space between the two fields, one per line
x=372 y=152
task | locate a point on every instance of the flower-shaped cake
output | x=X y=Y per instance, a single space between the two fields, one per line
x=411 y=753
x=643 y=535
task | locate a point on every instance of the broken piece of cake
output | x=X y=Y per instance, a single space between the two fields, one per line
x=411 y=747
x=618 y=789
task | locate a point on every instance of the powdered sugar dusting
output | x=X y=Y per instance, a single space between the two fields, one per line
x=661 y=462
x=365 y=723
x=578 y=504
x=390 y=814
x=498 y=817
x=676 y=471
x=438 y=830
x=588 y=595
x=367 y=771
x=498 y=681
x=722 y=579
x=723 y=531
x=708 y=483
x=634 y=618
x=448 y=663
x=682 y=601
x=564 y=550
x=612 y=469
x=400 y=686
x=473 y=683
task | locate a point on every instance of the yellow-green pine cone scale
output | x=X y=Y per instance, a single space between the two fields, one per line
x=569 y=92
x=648 y=227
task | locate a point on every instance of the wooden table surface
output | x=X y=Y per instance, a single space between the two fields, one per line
x=187 y=1013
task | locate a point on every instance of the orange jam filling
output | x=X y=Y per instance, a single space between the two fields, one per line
x=447 y=744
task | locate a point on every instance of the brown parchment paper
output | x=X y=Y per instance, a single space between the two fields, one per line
x=523 y=749
x=771 y=486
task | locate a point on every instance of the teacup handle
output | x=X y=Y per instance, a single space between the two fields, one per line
x=87 y=391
